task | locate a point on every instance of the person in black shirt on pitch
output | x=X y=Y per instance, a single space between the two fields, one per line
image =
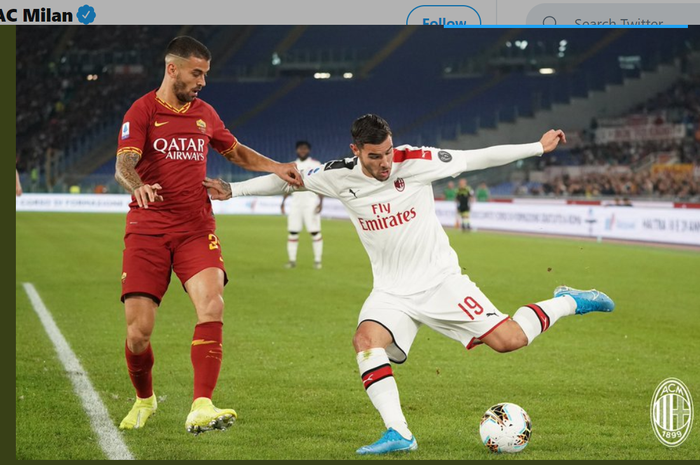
x=464 y=197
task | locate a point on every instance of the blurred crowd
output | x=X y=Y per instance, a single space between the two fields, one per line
x=625 y=153
x=680 y=104
x=62 y=100
x=676 y=184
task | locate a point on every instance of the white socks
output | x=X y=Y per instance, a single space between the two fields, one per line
x=292 y=246
x=535 y=319
x=378 y=380
x=317 y=244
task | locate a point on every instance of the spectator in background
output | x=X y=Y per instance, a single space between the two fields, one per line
x=34 y=177
x=464 y=200
x=482 y=193
x=450 y=195
x=450 y=192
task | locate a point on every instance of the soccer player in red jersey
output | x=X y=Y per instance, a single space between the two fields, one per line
x=161 y=161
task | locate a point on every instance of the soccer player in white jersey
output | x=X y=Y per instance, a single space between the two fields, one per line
x=417 y=278
x=304 y=211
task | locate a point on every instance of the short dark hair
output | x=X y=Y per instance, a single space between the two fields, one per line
x=369 y=129
x=186 y=47
x=301 y=143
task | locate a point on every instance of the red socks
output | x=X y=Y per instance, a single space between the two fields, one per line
x=206 y=355
x=140 y=366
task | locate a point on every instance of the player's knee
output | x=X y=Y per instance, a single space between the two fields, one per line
x=362 y=341
x=138 y=337
x=212 y=310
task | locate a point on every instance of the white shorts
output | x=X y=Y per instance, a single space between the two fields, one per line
x=303 y=217
x=456 y=308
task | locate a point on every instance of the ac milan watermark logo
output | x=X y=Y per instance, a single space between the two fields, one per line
x=399 y=184
x=672 y=412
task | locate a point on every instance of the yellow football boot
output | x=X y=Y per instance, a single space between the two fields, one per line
x=140 y=413
x=205 y=417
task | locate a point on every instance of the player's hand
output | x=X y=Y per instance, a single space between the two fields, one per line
x=18 y=190
x=218 y=189
x=319 y=207
x=282 y=208
x=147 y=193
x=551 y=139
x=289 y=173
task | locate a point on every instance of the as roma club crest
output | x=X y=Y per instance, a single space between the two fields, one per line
x=201 y=125
x=399 y=184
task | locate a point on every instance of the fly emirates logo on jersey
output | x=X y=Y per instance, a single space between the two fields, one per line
x=385 y=218
x=181 y=148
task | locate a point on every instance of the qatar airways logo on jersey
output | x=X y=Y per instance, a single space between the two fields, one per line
x=385 y=219
x=181 y=148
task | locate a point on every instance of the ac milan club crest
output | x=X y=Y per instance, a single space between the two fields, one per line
x=399 y=184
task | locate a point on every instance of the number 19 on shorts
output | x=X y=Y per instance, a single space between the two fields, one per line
x=470 y=305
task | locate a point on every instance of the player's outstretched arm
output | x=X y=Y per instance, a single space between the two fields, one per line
x=263 y=185
x=503 y=154
x=129 y=179
x=249 y=159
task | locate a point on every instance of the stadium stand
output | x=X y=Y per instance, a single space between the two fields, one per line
x=434 y=86
x=662 y=167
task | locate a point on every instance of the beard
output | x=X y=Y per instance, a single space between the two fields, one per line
x=180 y=91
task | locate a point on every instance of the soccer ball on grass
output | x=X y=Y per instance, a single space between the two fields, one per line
x=505 y=428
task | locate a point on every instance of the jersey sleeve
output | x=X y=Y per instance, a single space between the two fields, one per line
x=428 y=164
x=134 y=130
x=316 y=180
x=320 y=179
x=221 y=139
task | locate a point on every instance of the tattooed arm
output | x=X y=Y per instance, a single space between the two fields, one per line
x=129 y=179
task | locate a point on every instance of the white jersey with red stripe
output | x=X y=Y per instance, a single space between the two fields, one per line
x=395 y=219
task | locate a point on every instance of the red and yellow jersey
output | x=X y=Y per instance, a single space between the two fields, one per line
x=173 y=146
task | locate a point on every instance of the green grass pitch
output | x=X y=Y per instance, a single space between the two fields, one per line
x=289 y=367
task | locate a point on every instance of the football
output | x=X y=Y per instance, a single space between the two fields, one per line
x=505 y=428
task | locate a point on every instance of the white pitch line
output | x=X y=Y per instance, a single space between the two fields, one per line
x=108 y=436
